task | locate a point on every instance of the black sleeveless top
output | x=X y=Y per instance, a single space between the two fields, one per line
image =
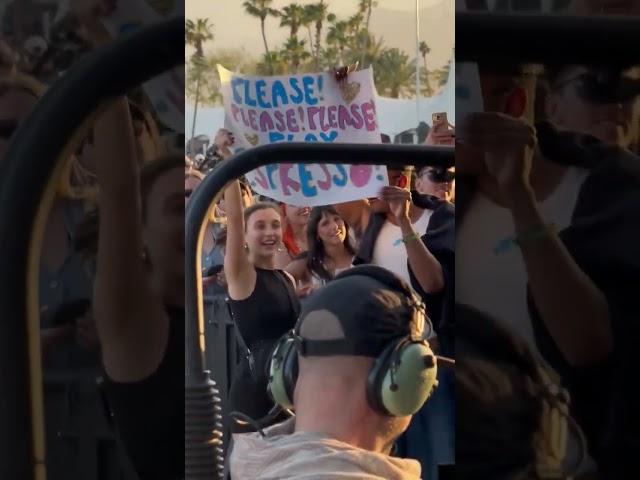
x=149 y=414
x=270 y=311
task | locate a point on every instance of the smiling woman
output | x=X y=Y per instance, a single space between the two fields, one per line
x=262 y=298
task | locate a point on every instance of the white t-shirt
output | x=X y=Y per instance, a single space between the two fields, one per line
x=496 y=283
x=389 y=251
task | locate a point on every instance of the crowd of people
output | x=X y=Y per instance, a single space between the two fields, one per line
x=366 y=298
x=272 y=259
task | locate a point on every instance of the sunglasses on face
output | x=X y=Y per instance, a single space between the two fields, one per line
x=603 y=87
x=440 y=175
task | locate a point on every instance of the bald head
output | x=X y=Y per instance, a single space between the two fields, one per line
x=330 y=397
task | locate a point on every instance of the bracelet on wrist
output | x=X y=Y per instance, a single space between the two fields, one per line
x=525 y=237
x=407 y=238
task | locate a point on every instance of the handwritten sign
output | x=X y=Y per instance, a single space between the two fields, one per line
x=305 y=108
x=166 y=91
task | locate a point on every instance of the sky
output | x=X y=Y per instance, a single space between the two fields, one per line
x=394 y=20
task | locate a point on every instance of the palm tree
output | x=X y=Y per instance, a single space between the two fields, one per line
x=424 y=50
x=369 y=52
x=370 y=5
x=338 y=36
x=364 y=8
x=309 y=17
x=195 y=34
x=261 y=9
x=394 y=73
x=272 y=64
x=322 y=15
x=308 y=20
x=291 y=16
x=294 y=53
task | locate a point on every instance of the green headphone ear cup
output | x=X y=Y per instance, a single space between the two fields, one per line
x=376 y=377
x=282 y=373
x=404 y=391
x=414 y=377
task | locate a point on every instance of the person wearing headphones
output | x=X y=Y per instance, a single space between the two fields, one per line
x=355 y=369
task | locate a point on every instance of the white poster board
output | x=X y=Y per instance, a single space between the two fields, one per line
x=305 y=108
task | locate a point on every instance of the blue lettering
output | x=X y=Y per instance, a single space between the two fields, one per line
x=305 y=179
x=329 y=138
x=340 y=182
x=270 y=169
x=275 y=137
x=247 y=96
x=310 y=137
x=308 y=90
x=277 y=90
x=260 y=85
x=236 y=82
x=297 y=99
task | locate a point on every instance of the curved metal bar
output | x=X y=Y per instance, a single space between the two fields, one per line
x=549 y=39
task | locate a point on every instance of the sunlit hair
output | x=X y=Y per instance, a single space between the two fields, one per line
x=316 y=254
x=256 y=207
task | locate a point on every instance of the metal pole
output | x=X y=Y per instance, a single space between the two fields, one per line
x=195 y=108
x=417 y=62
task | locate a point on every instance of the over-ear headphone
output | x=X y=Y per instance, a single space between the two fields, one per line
x=402 y=377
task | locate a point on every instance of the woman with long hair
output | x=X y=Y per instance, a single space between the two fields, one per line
x=262 y=298
x=330 y=249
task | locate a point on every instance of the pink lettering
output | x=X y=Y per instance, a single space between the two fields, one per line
x=252 y=119
x=326 y=183
x=286 y=182
x=368 y=112
x=261 y=179
x=312 y=112
x=234 y=111
x=292 y=122
x=332 y=116
x=360 y=174
x=266 y=123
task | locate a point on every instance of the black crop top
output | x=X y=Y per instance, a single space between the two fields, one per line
x=270 y=311
x=149 y=414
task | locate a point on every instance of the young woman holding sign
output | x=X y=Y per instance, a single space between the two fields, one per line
x=262 y=298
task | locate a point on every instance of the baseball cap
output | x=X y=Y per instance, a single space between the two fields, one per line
x=370 y=314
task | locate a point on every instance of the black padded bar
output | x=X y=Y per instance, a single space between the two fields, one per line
x=492 y=37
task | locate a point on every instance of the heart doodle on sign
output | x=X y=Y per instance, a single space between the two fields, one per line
x=252 y=139
x=350 y=91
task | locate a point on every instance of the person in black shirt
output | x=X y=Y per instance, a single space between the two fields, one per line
x=139 y=296
x=262 y=298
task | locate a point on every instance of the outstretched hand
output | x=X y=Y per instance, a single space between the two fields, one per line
x=399 y=200
x=223 y=140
